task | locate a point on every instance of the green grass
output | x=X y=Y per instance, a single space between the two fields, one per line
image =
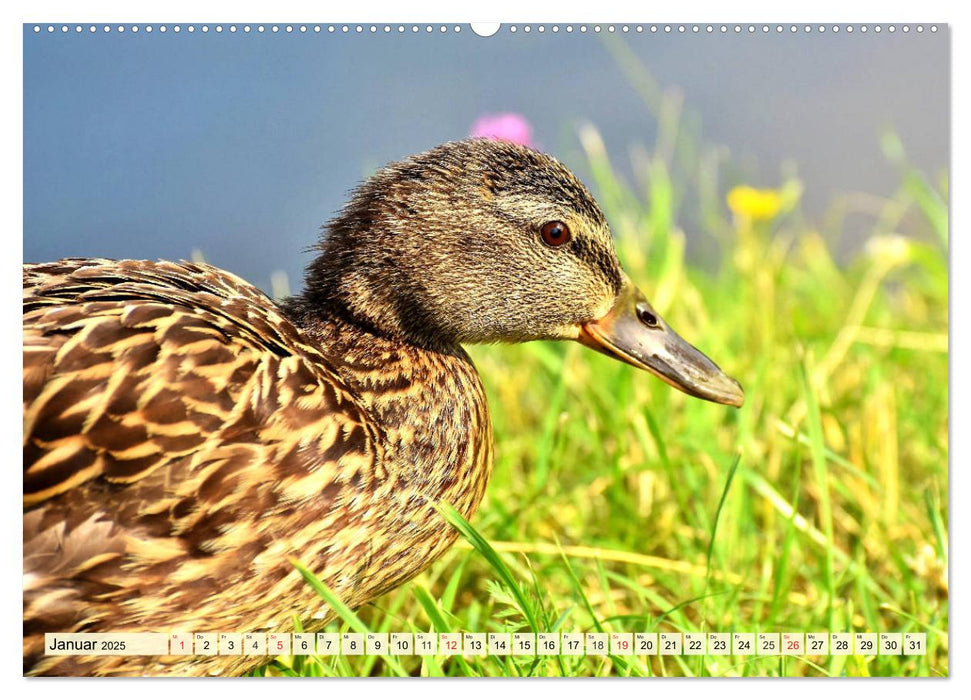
x=620 y=504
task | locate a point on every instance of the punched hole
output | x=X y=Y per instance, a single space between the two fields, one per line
x=485 y=29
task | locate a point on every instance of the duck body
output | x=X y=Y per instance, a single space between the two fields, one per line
x=184 y=439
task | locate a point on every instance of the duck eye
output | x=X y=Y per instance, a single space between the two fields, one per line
x=646 y=317
x=555 y=233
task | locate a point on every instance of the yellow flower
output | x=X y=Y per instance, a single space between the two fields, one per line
x=756 y=205
x=891 y=249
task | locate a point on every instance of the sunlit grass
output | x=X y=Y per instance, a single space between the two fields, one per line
x=618 y=504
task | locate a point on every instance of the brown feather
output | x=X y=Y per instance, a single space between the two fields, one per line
x=213 y=442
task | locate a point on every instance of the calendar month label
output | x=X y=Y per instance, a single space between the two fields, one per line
x=106 y=644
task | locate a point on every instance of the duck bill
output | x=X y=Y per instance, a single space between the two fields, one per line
x=633 y=332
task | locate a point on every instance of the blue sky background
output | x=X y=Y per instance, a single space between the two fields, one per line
x=242 y=145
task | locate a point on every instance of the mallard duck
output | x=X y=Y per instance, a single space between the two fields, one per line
x=186 y=438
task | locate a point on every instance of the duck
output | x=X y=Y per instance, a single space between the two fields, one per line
x=186 y=438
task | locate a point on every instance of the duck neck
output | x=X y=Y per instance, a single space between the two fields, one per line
x=428 y=401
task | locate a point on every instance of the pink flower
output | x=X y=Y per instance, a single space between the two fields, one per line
x=507 y=126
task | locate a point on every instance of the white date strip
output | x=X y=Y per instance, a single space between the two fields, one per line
x=271 y=644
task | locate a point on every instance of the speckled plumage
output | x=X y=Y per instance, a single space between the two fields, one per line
x=185 y=438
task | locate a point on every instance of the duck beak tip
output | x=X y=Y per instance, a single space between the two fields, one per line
x=634 y=333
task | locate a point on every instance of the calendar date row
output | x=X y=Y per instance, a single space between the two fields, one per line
x=490 y=644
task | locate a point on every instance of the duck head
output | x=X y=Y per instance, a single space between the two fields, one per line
x=482 y=241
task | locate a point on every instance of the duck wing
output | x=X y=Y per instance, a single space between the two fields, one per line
x=172 y=416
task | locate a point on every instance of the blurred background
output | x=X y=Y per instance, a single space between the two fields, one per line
x=781 y=198
x=152 y=145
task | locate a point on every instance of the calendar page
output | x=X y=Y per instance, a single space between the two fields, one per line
x=547 y=349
